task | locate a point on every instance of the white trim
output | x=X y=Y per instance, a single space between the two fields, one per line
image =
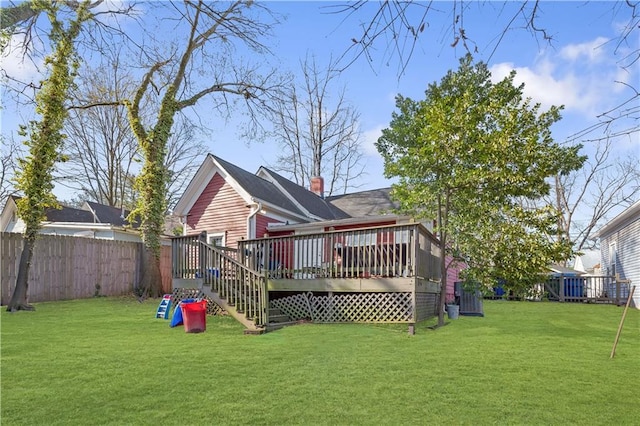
x=231 y=182
x=256 y=207
x=200 y=180
x=613 y=258
x=617 y=222
x=198 y=183
x=88 y=208
x=6 y=217
x=279 y=210
x=341 y=222
x=216 y=235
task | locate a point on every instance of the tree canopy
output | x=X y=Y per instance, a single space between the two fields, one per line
x=467 y=156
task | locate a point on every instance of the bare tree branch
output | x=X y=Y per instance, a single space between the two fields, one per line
x=9 y=152
x=319 y=135
x=587 y=197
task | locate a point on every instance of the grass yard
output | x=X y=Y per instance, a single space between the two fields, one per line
x=109 y=361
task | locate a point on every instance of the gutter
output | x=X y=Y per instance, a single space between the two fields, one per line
x=256 y=206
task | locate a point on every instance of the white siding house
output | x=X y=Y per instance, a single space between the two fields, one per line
x=92 y=221
x=620 y=248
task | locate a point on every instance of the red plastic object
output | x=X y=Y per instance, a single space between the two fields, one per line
x=194 y=316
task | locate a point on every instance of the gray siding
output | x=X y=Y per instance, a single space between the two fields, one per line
x=627 y=241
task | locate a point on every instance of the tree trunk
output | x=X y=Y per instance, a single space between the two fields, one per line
x=19 y=298
x=151 y=283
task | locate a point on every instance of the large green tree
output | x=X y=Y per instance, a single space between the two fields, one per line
x=198 y=65
x=468 y=155
x=44 y=137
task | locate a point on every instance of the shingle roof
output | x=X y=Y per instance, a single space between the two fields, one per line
x=309 y=200
x=111 y=215
x=365 y=203
x=282 y=191
x=69 y=214
x=258 y=187
x=64 y=213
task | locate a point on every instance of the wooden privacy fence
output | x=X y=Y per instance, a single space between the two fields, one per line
x=66 y=267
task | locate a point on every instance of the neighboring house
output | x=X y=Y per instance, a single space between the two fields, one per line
x=620 y=248
x=93 y=220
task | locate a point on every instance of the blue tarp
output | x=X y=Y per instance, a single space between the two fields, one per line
x=176 y=320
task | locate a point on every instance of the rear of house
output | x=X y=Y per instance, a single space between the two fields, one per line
x=261 y=236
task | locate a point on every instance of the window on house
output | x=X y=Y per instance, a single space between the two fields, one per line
x=613 y=258
x=401 y=237
x=216 y=239
x=361 y=238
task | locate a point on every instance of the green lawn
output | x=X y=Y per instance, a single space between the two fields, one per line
x=109 y=361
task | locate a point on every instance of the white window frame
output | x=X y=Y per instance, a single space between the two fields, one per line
x=213 y=236
x=613 y=258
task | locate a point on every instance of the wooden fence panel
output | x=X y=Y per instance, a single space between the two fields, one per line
x=10 y=257
x=165 y=269
x=65 y=267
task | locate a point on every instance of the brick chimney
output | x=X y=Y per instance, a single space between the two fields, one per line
x=317 y=186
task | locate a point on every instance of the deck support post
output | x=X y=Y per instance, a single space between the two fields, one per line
x=412 y=329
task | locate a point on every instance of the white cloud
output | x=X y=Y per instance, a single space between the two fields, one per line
x=15 y=64
x=577 y=77
x=593 y=51
x=369 y=138
x=108 y=11
x=541 y=85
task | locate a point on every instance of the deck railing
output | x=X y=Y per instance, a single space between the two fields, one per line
x=233 y=281
x=385 y=251
x=588 y=288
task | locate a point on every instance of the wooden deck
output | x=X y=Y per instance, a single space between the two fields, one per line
x=378 y=274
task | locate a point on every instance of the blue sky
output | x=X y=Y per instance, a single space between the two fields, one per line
x=578 y=69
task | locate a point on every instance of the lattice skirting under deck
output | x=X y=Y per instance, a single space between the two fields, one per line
x=426 y=305
x=356 y=307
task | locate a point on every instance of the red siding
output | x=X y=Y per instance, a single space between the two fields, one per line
x=453 y=275
x=219 y=209
x=276 y=233
x=262 y=222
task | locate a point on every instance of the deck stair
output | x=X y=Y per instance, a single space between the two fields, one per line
x=233 y=286
x=277 y=320
x=276 y=316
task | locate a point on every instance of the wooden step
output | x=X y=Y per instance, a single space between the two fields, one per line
x=278 y=318
x=279 y=325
